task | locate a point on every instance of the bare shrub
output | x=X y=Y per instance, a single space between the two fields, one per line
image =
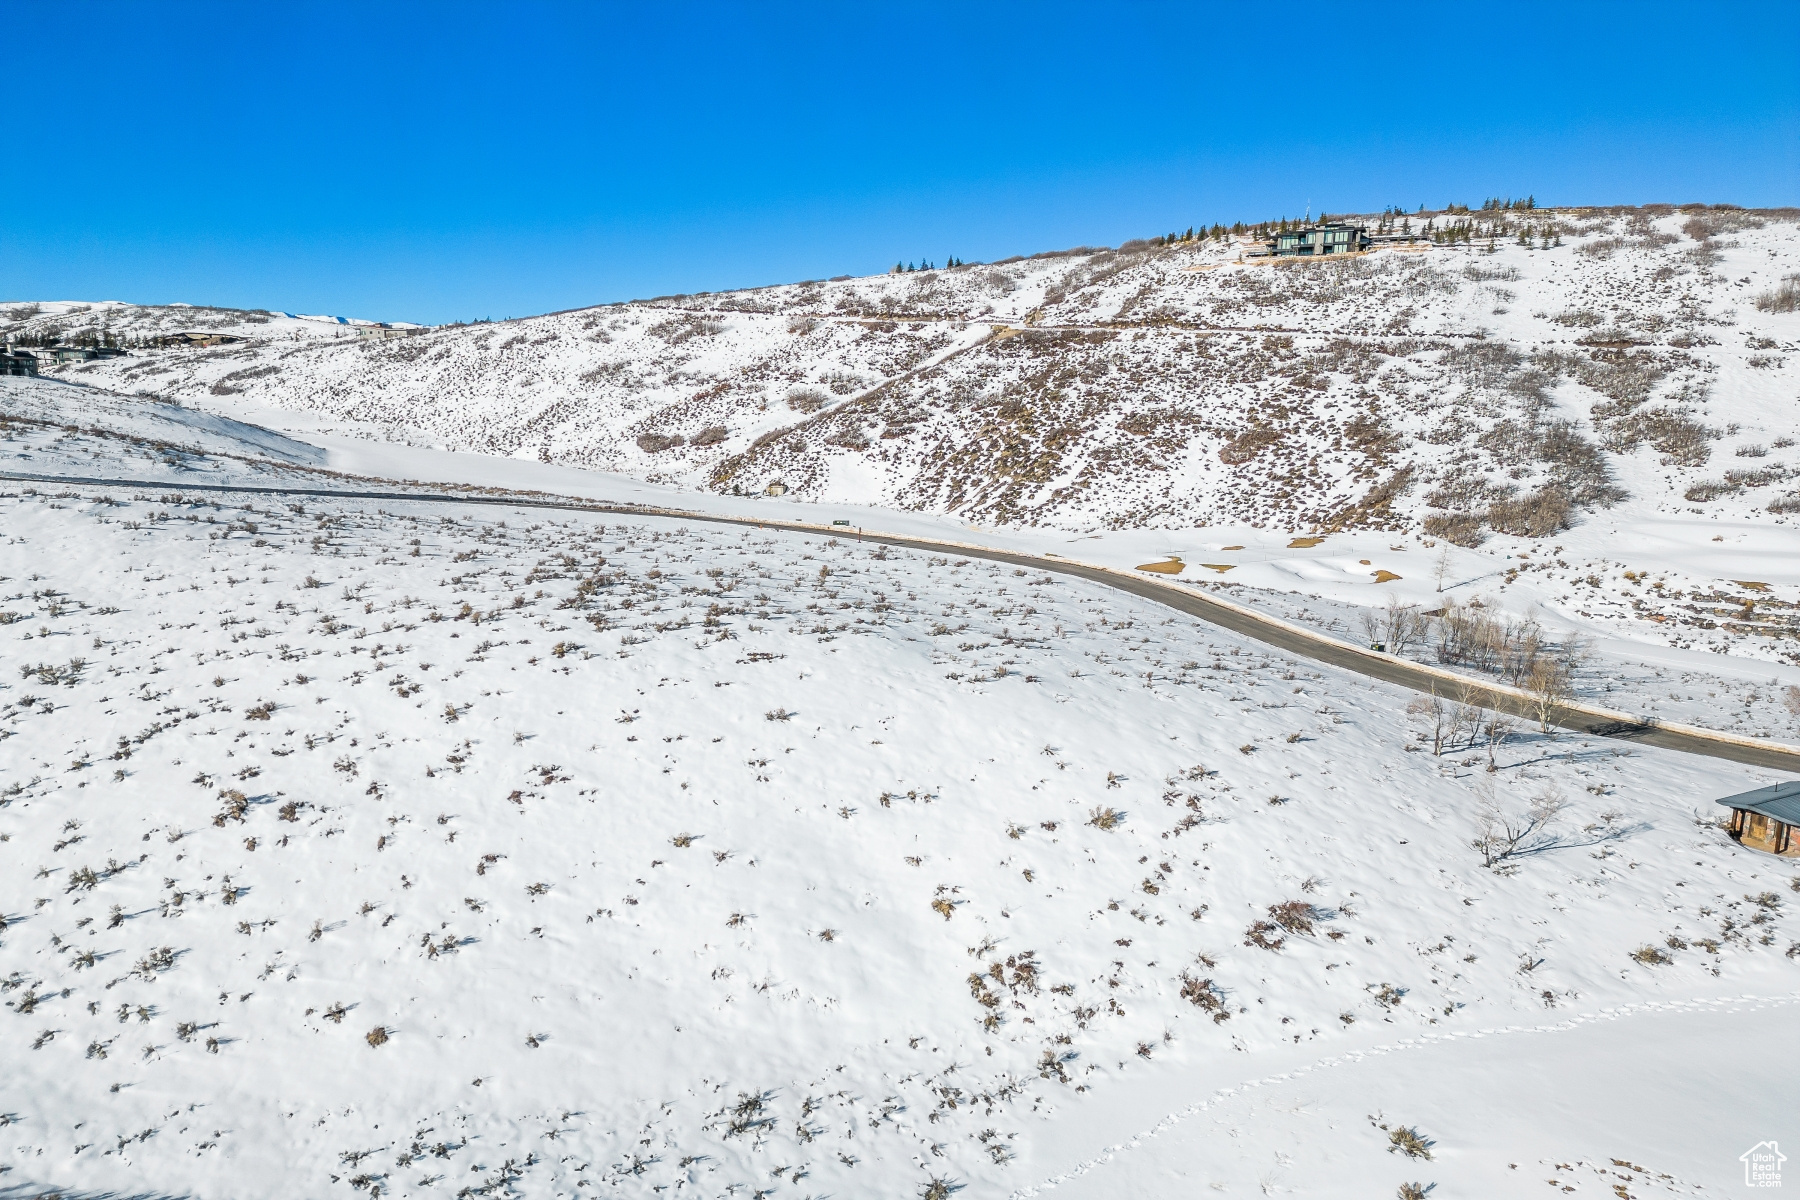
x=685 y=327
x=1626 y=378
x=712 y=435
x=1699 y=228
x=1106 y=818
x=1544 y=512
x=1683 y=439
x=1410 y=1142
x=1476 y=273
x=1737 y=481
x=807 y=400
x=656 y=443
x=998 y=282
x=1709 y=490
x=1575 y=464
x=1784 y=299
x=1481 y=365
x=1580 y=318
x=1460 y=528
x=1204 y=995
x=1248 y=444
x=1296 y=916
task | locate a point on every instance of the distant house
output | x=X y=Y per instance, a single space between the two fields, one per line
x=50 y=356
x=1307 y=240
x=385 y=331
x=1766 y=819
x=18 y=362
x=777 y=488
x=198 y=338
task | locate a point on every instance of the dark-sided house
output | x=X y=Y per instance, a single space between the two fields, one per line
x=1767 y=818
x=50 y=356
x=1330 y=238
x=17 y=362
x=197 y=338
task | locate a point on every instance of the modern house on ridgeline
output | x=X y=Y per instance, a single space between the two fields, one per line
x=1329 y=238
x=1767 y=818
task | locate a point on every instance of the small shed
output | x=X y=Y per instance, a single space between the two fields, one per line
x=1766 y=819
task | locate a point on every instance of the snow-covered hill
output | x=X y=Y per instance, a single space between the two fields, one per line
x=1506 y=383
x=732 y=863
x=1588 y=418
x=137 y=326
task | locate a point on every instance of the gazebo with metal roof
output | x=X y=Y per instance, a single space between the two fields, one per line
x=1767 y=817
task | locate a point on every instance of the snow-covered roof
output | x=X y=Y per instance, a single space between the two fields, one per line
x=1778 y=800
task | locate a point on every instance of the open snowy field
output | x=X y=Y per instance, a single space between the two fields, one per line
x=739 y=863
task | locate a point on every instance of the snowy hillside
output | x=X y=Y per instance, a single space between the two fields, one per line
x=1588 y=355
x=730 y=863
x=1587 y=419
x=109 y=322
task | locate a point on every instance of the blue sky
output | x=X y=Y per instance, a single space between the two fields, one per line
x=441 y=161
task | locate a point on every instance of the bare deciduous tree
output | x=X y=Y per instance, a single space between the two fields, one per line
x=1548 y=687
x=1498 y=728
x=1398 y=626
x=1501 y=835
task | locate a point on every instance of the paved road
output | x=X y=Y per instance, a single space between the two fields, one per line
x=1278 y=634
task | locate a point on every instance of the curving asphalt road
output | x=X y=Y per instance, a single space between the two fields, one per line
x=1281 y=635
